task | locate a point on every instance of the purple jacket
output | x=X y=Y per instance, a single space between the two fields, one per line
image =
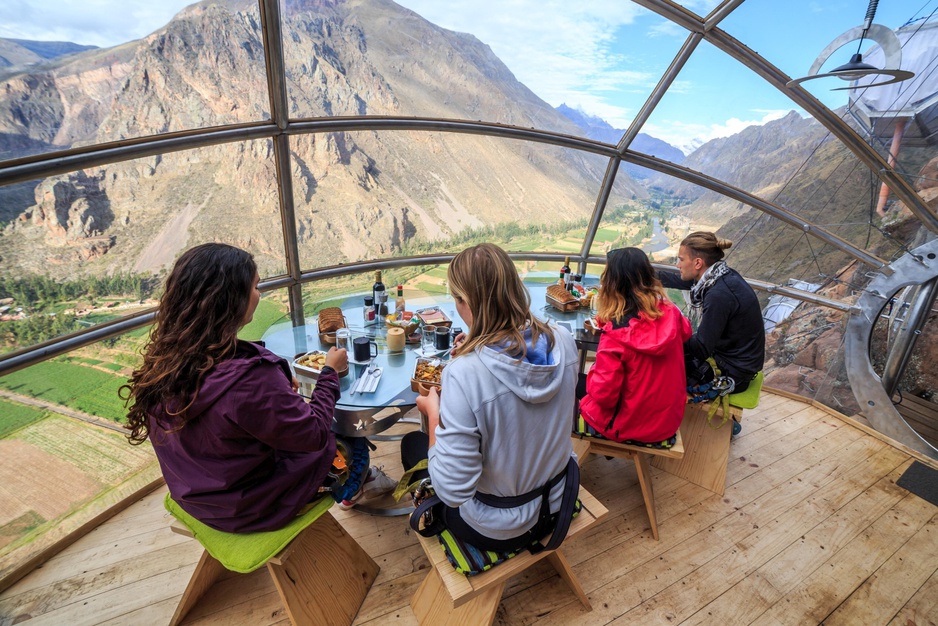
x=256 y=452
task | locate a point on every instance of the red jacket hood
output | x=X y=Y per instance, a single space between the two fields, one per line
x=646 y=337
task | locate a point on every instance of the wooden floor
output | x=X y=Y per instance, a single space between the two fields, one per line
x=812 y=529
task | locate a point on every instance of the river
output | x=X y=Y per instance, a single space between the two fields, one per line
x=658 y=240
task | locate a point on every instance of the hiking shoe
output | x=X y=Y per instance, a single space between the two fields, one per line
x=377 y=483
x=737 y=428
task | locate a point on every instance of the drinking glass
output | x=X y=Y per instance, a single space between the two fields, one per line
x=342 y=337
x=428 y=341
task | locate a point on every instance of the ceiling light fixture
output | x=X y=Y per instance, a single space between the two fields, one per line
x=856 y=68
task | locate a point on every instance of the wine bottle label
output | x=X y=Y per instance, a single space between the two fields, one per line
x=381 y=296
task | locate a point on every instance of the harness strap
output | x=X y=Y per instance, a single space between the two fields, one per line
x=564 y=516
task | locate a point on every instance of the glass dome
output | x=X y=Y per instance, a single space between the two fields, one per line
x=331 y=138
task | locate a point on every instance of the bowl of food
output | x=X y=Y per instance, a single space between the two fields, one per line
x=427 y=373
x=406 y=320
x=310 y=364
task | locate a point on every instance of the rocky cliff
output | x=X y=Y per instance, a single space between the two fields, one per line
x=357 y=195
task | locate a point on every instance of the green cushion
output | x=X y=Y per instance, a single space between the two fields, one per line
x=748 y=399
x=469 y=560
x=245 y=553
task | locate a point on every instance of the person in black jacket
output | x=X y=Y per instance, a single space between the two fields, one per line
x=730 y=325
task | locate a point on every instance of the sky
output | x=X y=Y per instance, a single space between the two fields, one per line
x=602 y=57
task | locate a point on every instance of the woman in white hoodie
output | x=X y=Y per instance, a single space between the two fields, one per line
x=502 y=424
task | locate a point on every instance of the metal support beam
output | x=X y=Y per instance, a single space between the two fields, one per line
x=279 y=113
x=660 y=89
x=604 y=192
x=778 y=79
x=917 y=267
x=766 y=207
x=904 y=343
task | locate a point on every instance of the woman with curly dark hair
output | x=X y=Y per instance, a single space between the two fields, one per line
x=240 y=450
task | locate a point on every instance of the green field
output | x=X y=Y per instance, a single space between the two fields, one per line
x=83 y=388
x=14 y=416
x=268 y=313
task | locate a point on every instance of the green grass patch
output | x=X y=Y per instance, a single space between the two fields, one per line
x=114 y=367
x=76 y=386
x=14 y=416
x=267 y=314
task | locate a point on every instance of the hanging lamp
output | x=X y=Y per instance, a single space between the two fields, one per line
x=856 y=69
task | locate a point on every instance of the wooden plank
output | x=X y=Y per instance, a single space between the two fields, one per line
x=696 y=535
x=813 y=597
x=700 y=593
x=705 y=452
x=23 y=568
x=922 y=606
x=880 y=596
x=106 y=606
x=59 y=593
x=323 y=575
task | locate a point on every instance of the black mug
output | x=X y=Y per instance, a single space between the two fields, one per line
x=441 y=338
x=364 y=349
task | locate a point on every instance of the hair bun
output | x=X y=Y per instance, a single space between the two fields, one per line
x=723 y=244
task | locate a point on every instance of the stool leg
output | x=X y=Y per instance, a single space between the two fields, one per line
x=323 y=576
x=560 y=563
x=648 y=492
x=432 y=604
x=206 y=573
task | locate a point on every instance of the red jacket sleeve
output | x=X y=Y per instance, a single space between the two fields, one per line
x=605 y=383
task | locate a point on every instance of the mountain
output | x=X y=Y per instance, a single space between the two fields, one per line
x=600 y=130
x=25 y=51
x=796 y=164
x=358 y=194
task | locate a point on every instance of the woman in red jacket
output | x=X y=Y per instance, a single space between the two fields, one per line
x=635 y=392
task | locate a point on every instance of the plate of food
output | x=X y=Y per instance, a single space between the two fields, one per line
x=427 y=373
x=434 y=316
x=310 y=364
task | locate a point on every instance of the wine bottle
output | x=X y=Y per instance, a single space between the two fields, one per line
x=399 y=304
x=380 y=295
x=567 y=276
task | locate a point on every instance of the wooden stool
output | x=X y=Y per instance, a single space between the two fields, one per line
x=448 y=597
x=707 y=449
x=583 y=446
x=322 y=574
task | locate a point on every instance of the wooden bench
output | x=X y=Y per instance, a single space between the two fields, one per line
x=322 y=575
x=584 y=446
x=707 y=449
x=448 y=597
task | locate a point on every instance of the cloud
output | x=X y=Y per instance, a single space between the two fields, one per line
x=90 y=22
x=566 y=55
x=689 y=136
x=667 y=29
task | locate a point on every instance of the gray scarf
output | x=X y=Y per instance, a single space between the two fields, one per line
x=700 y=288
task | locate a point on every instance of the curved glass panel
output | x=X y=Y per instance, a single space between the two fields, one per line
x=469 y=61
x=805 y=356
x=364 y=195
x=202 y=68
x=771 y=24
x=65 y=456
x=87 y=247
x=637 y=215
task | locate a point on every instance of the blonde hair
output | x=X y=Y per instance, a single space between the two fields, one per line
x=486 y=280
x=629 y=285
x=706 y=245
